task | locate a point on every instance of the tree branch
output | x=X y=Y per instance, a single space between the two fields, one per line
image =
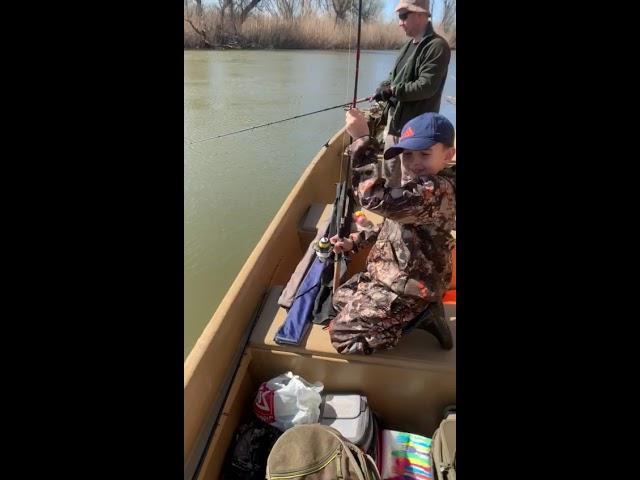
x=247 y=9
x=202 y=33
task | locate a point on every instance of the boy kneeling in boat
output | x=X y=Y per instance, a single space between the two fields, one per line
x=409 y=266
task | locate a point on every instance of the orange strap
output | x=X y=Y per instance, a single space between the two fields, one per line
x=449 y=297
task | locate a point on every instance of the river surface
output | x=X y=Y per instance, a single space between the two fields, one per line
x=233 y=186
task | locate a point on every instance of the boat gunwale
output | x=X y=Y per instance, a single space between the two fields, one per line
x=201 y=385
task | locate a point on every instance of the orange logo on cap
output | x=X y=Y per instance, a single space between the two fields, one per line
x=407 y=133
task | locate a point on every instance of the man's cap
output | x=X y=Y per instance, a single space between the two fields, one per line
x=420 y=6
x=422 y=132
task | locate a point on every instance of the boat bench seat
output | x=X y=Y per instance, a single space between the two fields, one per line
x=316 y=215
x=418 y=349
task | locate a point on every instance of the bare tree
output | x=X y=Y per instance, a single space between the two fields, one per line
x=246 y=9
x=448 y=15
x=202 y=31
x=288 y=9
x=198 y=7
x=306 y=7
x=225 y=5
x=323 y=5
x=285 y=8
x=341 y=9
x=237 y=9
x=370 y=9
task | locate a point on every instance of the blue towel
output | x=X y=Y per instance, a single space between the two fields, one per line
x=297 y=323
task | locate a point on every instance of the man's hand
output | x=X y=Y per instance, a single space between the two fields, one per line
x=356 y=124
x=341 y=244
x=383 y=93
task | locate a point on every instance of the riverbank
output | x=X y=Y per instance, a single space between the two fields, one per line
x=309 y=32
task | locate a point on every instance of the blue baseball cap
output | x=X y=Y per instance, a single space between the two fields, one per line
x=422 y=132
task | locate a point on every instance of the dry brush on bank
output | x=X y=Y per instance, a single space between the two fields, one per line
x=307 y=28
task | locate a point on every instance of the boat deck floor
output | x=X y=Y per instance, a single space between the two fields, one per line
x=418 y=349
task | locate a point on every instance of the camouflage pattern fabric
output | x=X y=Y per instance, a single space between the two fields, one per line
x=409 y=264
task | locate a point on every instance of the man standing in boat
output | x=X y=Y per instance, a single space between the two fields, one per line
x=417 y=81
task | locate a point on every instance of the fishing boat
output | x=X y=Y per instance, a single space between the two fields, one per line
x=407 y=386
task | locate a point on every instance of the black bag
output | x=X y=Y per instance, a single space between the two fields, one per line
x=247 y=457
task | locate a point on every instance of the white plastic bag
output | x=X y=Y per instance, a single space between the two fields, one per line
x=288 y=400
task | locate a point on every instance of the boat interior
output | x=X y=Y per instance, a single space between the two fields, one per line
x=407 y=386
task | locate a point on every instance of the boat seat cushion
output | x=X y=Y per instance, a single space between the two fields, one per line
x=418 y=349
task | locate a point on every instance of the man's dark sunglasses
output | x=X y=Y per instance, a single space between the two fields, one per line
x=404 y=16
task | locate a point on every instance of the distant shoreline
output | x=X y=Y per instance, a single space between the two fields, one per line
x=311 y=32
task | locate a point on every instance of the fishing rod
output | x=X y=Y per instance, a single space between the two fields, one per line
x=355 y=86
x=341 y=205
x=352 y=104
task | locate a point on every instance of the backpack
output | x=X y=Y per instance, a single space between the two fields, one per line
x=318 y=452
x=443 y=447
